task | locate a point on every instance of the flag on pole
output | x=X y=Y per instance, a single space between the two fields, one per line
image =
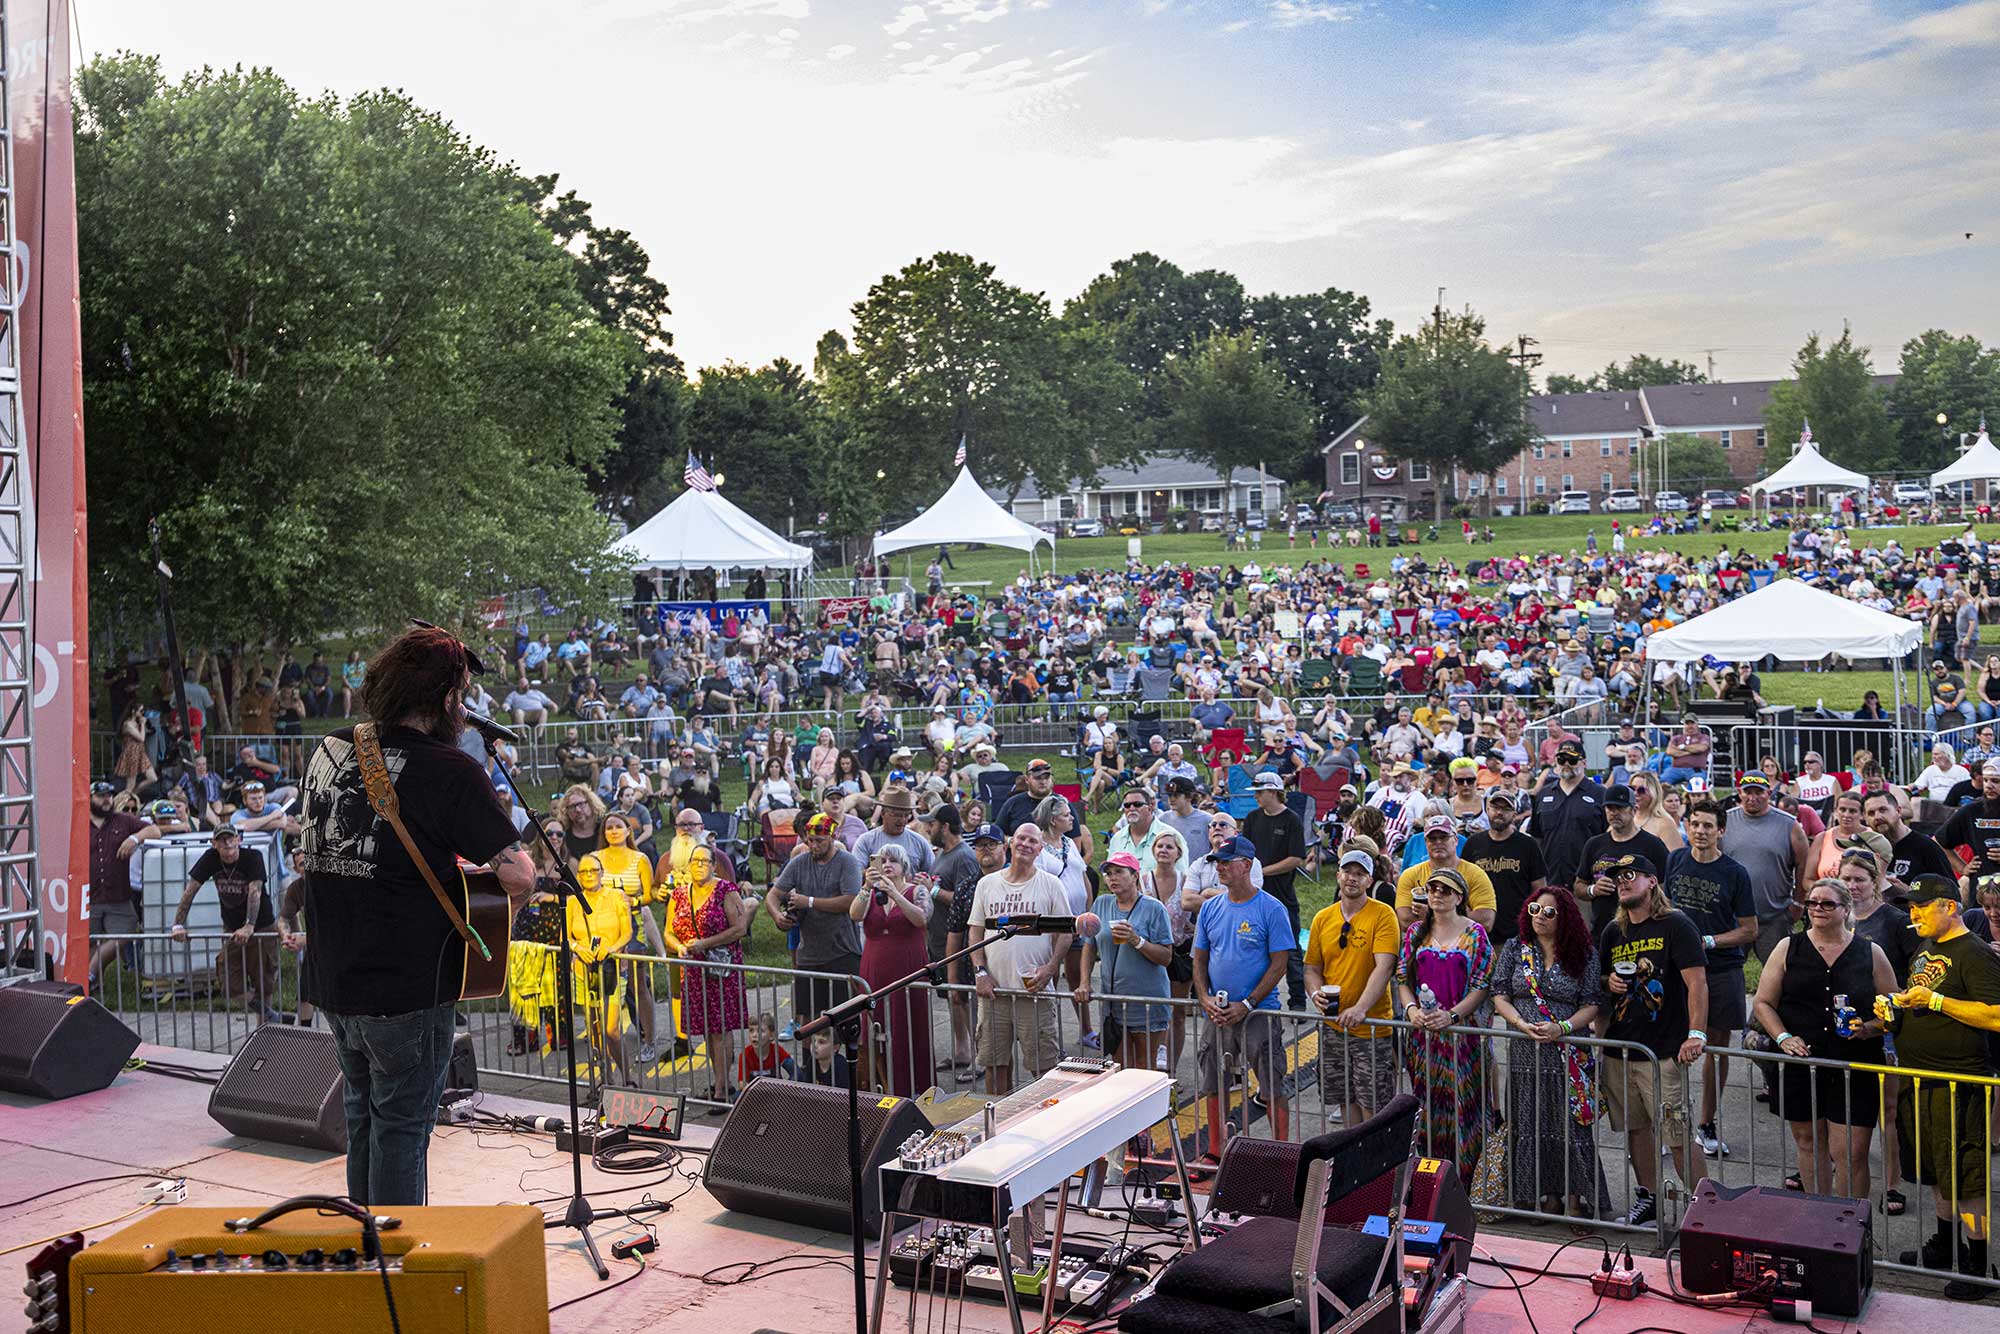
x=958 y=459
x=697 y=476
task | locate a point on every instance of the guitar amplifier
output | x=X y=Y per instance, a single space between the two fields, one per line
x=181 y=1271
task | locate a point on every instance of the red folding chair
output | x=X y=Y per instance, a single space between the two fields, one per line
x=1224 y=747
x=779 y=835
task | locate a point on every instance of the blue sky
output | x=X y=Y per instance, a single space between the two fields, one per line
x=1659 y=175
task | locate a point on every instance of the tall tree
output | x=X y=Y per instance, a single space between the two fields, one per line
x=1941 y=373
x=335 y=354
x=1833 y=387
x=1329 y=350
x=1228 y=406
x=760 y=428
x=1693 y=462
x=1639 y=372
x=1157 y=313
x=1447 y=399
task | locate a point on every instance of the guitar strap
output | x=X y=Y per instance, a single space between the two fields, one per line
x=382 y=798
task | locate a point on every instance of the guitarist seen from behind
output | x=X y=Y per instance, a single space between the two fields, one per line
x=388 y=963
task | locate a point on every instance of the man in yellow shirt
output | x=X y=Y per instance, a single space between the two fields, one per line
x=1441 y=842
x=1432 y=715
x=1351 y=949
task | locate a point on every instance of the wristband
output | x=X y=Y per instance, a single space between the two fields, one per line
x=1783 y=1038
x=1698 y=1035
x=1568 y=1028
x=1937 y=1002
x=1708 y=942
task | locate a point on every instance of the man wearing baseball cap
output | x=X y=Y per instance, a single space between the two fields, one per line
x=1770 y=845
x=1656 y=980
x=1351 y=949
x=1568 y=813
x=1976 y=825
x=1943 y=1022
x=1280 y=838
x=1441 y=842
x=1595 y=893
x=1243 y=940
x=1511 y=861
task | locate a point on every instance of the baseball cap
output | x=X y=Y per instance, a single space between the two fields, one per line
x=1124 y=859
x=1990 y=767
x=1349 y=787
x=1181 y=787
x=225 y=831
x=990 y=833
x=102 y=788
x=1235 y=850
x=1502 y=796
x=1356 y=857
x=1930 y=887
x=1617 y=797
x=1444 y=875
x=1268 y=781
x=1631 y=861
x=1757 y=779
x=1569 y=750
x=1440 y=824
x=939 y=708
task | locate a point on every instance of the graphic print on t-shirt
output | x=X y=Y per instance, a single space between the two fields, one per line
x=1646 y=990
x=342 y=830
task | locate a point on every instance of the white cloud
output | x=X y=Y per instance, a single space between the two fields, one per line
x=840 y=52
x=1298 y=13
x=908 y=17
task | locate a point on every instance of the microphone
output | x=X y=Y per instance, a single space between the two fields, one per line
x=1043 y=924
x=491 y=730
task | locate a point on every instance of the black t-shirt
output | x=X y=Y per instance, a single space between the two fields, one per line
x=957 y=874
x=1978 y=826
x=232 y=886
x=1277 y=837
x=1653 y=1013
x=1889 y=927
x=1604 y=845
x=1564 y=823
x=1915 y=854
x=577 y=846
x=1513 y=864
x=380 y=942
x=1962 y=968
x=1713 y=895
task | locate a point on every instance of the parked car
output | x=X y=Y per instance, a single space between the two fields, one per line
x=1344 y=515
x=1128 y=527
x=1303 y=515
x=1087 y=528
x=1622 y=500
x=1669 y=502
x=1573 y=502
x=1255 y=519
x=1211 y=521
x=1911 y=493
x=1717 y=498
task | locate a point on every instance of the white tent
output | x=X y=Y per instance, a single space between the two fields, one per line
x=1809 y=467
x=964 y=513
x=1980 y=463
x=1791 y=620
x=702 y=531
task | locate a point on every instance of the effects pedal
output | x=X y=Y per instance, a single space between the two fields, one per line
x=644 y=1243
x=593 y=1139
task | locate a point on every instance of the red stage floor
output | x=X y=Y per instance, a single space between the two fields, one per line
x=153 y=1122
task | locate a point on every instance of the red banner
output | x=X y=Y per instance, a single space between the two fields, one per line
x=839 y=611
x=51 y=349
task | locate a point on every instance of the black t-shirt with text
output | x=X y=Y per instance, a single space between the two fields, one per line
x=1962 y=968
x=232 y=885
x=380 y=942
x=1654 y=1011
x=1713 y=895
x=1604 y=845
x=1916 y=854
x=1513 y=864
x=1976 y=826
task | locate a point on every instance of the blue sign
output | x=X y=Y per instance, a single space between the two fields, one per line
x=716 y=612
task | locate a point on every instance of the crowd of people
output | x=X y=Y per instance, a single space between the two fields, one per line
x=1486 y=875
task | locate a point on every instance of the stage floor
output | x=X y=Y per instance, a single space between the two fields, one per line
x=152 y=1122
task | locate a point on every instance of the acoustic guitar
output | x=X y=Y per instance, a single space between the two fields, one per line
x=486 y=912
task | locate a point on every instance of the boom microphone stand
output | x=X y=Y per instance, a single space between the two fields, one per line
x=579 y=1214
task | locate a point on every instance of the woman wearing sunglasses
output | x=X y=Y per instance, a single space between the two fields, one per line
x=1546 y=986
x=1832 y=1113
x=1442 y=980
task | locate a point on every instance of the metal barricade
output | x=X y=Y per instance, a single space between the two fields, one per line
x=206 y=991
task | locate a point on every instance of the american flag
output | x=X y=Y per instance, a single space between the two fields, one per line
x=958 y=459
x=697 y=476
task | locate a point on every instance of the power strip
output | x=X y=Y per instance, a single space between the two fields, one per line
x=165 y=1190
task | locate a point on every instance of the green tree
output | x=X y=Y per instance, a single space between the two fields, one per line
x=1833 y=387
x=1639 y=372
x=1329 y=350
x=1449 y=400
x=1228 y=406
x=1941 y=373
x=1156 y=313
x=760 y=428
x=333 y=351
x=1693 y=462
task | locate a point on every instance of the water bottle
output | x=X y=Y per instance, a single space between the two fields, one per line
x=1427 y=998
x=1845 y=1021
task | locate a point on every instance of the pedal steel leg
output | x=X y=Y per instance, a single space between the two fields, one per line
x=1001 y=1248
x=882 y=1274
x=1055 y=1256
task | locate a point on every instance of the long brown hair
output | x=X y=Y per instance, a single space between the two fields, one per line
x=413 y=677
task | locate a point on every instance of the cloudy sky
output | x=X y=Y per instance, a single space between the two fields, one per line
x=1666 y=175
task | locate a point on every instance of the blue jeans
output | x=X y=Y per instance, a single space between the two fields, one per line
x=394 y=1067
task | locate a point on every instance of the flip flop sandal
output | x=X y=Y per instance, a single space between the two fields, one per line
x=1793 y=1181
x=1893 y=1202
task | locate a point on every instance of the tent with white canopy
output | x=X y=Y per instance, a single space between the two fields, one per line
x=702 y=531
x=1809 y=467
x=964 y=513
x=1978 y=464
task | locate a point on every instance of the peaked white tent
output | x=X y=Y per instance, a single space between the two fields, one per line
x=1809 y=467
x=702 y=531
x=964 y=513
x=1979 y=463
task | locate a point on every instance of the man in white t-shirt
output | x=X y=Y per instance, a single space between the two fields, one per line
x=1024 y=963
x=1816 y=786
x=1941 y=775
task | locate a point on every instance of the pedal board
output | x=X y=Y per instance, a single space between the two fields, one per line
x=961 y=1260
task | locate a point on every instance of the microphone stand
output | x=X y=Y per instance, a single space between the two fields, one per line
x=579 y=1215
x=846 y=1019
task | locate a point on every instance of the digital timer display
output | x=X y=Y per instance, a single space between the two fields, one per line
x=659 y=1112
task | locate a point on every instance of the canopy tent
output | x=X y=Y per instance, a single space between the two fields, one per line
x=964 y=513
x=1809 y=467
x=702 y=531
x=1979 y=463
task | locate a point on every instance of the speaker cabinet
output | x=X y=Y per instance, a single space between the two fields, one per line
x=285 y=1087
x=57 y=1043
x=783 y=1153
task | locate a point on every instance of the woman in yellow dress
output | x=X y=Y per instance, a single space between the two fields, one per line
x=600 y=925
x=706 y=923
x=532 y=993
x=631 y=874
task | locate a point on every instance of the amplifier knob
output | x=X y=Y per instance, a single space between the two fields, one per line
x=275 y=1260
x=312 y=1258
x=345 y=1257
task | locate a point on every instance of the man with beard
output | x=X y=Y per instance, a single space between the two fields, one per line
x=1621 y=835
x=1771 y=846
x=1714 y=891
x=244 y=966
x=958 y=867
x=1511 y=860
x=387 y=964
x=1911 y=852
x=1975 y=826
x=114 y=837
x=1568 y=813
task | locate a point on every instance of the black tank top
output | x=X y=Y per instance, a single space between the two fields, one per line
x=1805 y=1001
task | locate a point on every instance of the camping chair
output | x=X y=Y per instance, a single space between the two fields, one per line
x=1238 y=798
x=1141 y=727
x=1413 y=678
x=1364 y=675
x=1305 y=1265
x=1315 y=675
x=994 y=787
x=779 y=835
x=725 y=835
x=1225 y=745
x=1118 y=681
x=1322 y=789
x=1156 y=685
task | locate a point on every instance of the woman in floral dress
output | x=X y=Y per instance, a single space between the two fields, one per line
x=1442 y=980
x=706 y=923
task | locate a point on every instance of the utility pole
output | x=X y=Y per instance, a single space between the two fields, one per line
x=1709 y=353
x=1527 y=361
x=1437 y=320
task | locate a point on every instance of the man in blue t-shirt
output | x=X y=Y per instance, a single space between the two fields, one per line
x=1242 y=940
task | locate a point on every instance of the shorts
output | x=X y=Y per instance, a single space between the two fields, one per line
x=1632 y=1104
x=1257 y=1043
x=814 y=996
x=1820 y=1093
x=1007 y=1022
x=1941 y=1137
x=1357 y=1070
x=1771 y=930
x=114 y=919
x=1728 y=1001
x=829 y=680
